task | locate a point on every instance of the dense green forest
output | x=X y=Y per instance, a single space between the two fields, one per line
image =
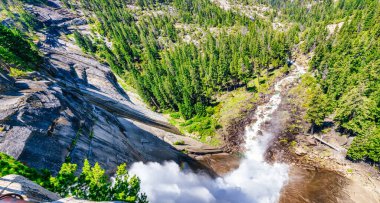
x=348 y=68
x=171 y=74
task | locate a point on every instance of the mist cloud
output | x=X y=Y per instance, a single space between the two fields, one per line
x=251 y=183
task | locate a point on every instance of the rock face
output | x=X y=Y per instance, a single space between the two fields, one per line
x=74 y=109
x=30 y=191
x=6 y=82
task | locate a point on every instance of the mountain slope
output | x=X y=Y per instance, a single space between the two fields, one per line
x=72 y=108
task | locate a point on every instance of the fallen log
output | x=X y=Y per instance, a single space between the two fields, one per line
x=326 y=143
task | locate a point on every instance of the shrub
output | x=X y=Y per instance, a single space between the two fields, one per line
x=91 y=184
x=180 y=142
x=16 y=73
x=176 y=115
x=9 y=165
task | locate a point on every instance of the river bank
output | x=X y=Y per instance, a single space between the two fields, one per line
x=320 y=171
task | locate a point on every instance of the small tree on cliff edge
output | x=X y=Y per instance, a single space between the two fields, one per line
x=93 y=184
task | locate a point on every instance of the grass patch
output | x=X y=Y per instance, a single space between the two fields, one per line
x=70 y=37
x=184 y=151
x=231 y=104
x=204 y=128
x=91 y=134
x=284 y=141
x=73 y=144
x=125 y=85
x=180 y=142
x=17 y=73
x=175 y=115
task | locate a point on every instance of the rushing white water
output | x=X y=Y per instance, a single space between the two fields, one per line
x=254 y=180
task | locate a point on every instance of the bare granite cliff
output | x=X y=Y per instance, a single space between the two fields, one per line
x=73 y=108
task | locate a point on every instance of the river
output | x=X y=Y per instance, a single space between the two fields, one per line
x=253 y=181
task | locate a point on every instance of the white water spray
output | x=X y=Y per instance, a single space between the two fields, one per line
x=254 y=180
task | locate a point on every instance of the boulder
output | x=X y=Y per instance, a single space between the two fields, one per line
x=30 y=191
x=342 y=140
x=310 y=141
x=6 y=82
x=300 y=151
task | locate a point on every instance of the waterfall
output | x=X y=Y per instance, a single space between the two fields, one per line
x=254 y=180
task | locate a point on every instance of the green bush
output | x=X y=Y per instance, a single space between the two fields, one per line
x=91 y=184
x=181 y=142
x=9 y=165
x=16 y=73
x=200 y=109
x=176 y=115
